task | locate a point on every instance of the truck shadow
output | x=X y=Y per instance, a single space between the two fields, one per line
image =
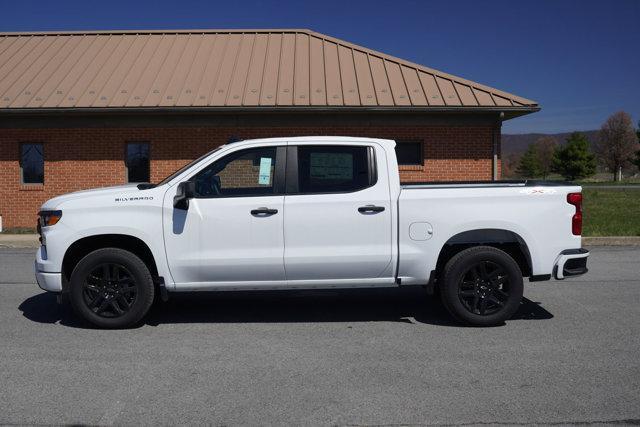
x=408 y=305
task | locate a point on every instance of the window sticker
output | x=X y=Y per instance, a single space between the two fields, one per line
x=336 y=166
x=264 y=177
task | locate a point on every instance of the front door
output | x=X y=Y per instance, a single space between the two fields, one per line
x=232 y=232
x=338 y=223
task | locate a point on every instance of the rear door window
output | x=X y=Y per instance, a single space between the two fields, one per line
x=333 y=169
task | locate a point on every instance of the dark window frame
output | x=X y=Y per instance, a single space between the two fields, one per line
x=126 y=160
x=420 y=160
x=278 y=176
x=20 y=161
x=292 y=178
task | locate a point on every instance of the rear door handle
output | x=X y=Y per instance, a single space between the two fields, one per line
x=264 y=212
x=370 y=209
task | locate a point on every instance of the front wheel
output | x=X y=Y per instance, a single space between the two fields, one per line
x=111 y=288
x=482 y=286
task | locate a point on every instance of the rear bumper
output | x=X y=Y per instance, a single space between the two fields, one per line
x=570 y=263
x=51 y=282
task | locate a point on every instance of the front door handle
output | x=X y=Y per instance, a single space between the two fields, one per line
x=264 y=212
x=370 y=209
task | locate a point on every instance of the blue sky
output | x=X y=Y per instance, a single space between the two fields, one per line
x=579 y=59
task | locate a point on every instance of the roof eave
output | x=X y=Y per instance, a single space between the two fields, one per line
x=510 y=111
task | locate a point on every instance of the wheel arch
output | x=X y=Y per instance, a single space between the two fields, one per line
x=81 y=247
x=506 y=240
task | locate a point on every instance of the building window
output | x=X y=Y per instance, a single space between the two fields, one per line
x=409 y=153
x=137 y=162
x=31 y=163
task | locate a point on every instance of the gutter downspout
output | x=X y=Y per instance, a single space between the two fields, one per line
x=496 y=147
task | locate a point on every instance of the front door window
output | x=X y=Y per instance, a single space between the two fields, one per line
x=246 y=173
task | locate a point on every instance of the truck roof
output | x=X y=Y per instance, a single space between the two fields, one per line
x=388 y=143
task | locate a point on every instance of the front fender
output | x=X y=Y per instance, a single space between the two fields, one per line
x=144 y=224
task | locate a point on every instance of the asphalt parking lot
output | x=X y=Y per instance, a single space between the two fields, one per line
x=367 y=357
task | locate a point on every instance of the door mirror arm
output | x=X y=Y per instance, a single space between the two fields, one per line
x=186 y=190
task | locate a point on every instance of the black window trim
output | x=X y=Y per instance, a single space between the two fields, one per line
x=373 y=169
x=20 y=145
x=420 y=142
x=292 y=188
x=126 y=160
x=278 y=179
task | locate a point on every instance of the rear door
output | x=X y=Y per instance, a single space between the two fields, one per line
x=338 y=222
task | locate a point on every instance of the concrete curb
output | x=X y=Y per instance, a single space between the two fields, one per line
x=31 y=241
x=611 y=241
x=19 y=241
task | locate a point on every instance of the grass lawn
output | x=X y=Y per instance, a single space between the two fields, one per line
x=611 y=212
x=609 y=183
x=598 y=180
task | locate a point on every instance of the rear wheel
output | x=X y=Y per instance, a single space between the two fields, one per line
x=482 y=286
x=111 y=288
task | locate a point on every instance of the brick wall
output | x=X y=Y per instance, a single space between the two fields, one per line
x=81 y=158
x=242 y=174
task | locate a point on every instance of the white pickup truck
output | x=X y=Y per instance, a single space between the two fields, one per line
x=306 y=213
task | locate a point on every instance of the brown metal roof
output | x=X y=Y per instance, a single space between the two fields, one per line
x=223 y=68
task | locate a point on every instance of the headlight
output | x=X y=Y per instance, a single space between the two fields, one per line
x=48 y=218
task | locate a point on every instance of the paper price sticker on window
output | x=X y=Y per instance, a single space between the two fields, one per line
x=264 y=176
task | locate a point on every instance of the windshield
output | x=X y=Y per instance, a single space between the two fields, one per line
x=187 y=166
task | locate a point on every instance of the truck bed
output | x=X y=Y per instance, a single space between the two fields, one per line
x=485 y=184
x=533 y=213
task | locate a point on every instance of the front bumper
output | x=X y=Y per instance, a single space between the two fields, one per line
x=51 y=282
x=570 y=263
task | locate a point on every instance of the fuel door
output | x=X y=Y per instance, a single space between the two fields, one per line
x=420 y=231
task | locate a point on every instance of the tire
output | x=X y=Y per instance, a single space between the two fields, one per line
x=481 y=286
x=111 y=288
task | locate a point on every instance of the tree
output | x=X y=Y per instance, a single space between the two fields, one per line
x=616 y=143
x=538 y=159
x=574 y=160
x=636 y=160
x=529 y=166
x=546 y=147
x=510 y=164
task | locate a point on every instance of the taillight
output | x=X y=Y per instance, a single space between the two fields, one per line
x=575 y=199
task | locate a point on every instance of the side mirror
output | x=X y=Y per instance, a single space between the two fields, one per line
x=186 y=190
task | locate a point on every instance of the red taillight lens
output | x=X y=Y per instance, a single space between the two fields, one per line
x=576 y=224
x=575 y=199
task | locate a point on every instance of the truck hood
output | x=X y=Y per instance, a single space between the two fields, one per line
x=124 y=190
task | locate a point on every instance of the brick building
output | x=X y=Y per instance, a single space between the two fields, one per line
x=88 y=109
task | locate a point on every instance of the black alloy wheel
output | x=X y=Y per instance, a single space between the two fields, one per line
x=110 y=290
x=481 y=286
x=484 y=288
